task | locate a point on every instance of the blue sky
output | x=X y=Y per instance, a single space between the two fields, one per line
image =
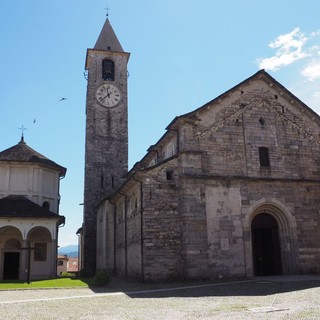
x=184 y=53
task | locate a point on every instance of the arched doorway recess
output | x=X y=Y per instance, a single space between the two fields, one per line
x=265 y=245
x=287 y=234
x=10 y=253
x=11 y=259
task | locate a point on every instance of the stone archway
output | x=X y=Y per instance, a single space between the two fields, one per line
x=282 y=224
x=43 y=255
x=11 y=258
x=265 y=245
x=40 y=238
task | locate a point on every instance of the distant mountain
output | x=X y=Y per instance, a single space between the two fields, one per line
x=70 y=251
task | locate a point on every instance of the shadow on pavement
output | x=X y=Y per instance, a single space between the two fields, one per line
x=242 y=287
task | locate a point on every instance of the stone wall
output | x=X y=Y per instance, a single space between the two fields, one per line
x=134 y=250
x=224 y=230
x=161 y=223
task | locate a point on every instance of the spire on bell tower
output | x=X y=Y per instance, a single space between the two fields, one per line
x=107 y=40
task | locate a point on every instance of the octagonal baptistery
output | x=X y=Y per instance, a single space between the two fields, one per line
x=29 y=213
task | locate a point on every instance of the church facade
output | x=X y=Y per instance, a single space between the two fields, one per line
x=29 y=214
x=230 y=190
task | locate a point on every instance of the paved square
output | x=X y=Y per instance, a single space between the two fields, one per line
x=268 y=298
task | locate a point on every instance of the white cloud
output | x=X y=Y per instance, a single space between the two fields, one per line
x=316 y=94
x=289 y=49
x=315 y=33
x=312 y=71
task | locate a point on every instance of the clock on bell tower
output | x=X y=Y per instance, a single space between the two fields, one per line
x=106 y=144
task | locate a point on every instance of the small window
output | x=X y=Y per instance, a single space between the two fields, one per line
x=40 y=252
x=170 y=175
x=108 y=70
x=101 y=180
x=262 y=121
x=112 y=182
x=60 y=263
x=46 y=205
x=264 y=157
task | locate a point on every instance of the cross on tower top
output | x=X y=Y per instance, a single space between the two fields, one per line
x=107 y=9
x=22 y=131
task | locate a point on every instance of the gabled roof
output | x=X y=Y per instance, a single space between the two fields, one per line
x=261 y=74
x=107 y=40
x=21 y=152
x=21 y=207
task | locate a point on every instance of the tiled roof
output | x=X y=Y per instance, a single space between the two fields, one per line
x=23 y=153
x=21 y=207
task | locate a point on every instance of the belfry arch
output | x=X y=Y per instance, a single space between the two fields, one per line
x=270 y=234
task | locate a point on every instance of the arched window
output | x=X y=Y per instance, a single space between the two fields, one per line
x=108 y=70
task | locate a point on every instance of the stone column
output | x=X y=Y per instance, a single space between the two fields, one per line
x=24 y=255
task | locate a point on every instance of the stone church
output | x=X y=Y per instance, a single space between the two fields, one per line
x=29 y=214
x=230 y=190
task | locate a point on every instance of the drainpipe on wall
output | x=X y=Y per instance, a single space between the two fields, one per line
x=56 y=251
x=59 y=197
x=57 y=229
x=79 y=234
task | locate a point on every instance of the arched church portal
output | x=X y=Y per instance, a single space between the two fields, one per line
x=270 y=239
x=10 y=244
x=266 y=245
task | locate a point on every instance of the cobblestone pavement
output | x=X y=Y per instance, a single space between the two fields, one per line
x=285 y=297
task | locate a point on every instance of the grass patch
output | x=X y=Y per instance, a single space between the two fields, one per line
x=52 y=283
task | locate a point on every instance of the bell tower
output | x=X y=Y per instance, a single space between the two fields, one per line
x=106 y=144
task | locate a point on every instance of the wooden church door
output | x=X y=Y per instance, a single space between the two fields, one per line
x=265 y=245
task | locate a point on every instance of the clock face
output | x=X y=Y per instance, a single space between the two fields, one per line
x=108 y=95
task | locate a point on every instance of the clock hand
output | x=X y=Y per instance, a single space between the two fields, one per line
x=107 y=95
